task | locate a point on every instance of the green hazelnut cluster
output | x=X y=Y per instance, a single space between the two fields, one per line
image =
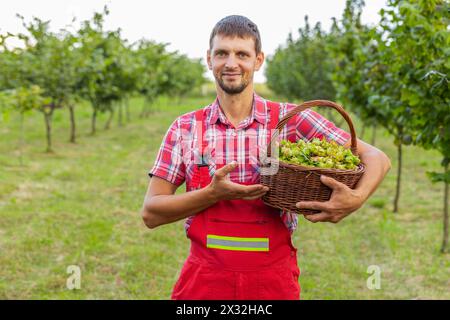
x=318 y=153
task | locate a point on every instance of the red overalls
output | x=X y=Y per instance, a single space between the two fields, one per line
x=240 y=249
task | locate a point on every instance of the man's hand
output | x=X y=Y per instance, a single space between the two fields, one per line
x=223 y=189
x=343 y=201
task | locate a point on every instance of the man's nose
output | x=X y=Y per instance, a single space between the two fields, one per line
x=231 y=62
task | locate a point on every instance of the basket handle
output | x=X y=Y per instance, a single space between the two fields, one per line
x=316 y=103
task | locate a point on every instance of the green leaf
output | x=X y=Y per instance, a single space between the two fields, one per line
x=438 y=177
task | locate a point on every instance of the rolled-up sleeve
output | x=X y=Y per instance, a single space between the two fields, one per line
x=169 y=163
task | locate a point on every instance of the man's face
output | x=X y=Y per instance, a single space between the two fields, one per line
x=233 y=62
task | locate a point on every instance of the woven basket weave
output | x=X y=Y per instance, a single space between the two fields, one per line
x=293 y=183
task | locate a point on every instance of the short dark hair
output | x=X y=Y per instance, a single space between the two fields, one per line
x=237 y=26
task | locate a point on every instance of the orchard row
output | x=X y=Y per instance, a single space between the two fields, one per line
x=45 y=71
x=393 y=75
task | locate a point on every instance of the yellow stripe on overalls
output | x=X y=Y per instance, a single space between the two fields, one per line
x=237 y=243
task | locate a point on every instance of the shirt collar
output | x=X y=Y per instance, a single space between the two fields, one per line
x=259 y=111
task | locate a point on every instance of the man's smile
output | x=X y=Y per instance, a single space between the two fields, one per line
x=231 y=74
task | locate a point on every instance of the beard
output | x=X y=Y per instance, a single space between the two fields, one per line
x=234 y=88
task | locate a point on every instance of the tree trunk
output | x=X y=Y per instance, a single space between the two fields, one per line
x=127 y=110
x=108 y=122
x=93 y=121
x=48 y=125
x=374 y=133
x=120 y=113
x=72 y=123
x=399 y=175
x=143 y=111
x=148 y=111
x=22 y=138
x=340 y=123
x=329 y=115
x=363 y=129
x=445 y=239
x=148 y=107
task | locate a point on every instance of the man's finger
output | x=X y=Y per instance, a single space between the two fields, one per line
x=248 y=190
x=255 y=196
x=225 y=170
x=318 y=217
x=253 y=191
x=332 y=183
x=315 y=205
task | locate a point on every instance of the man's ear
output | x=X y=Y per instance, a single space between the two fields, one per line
x=208 y=59
x=259 y=61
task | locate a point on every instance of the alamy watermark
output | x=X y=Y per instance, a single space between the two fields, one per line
x=74 y=280
x=374 y=280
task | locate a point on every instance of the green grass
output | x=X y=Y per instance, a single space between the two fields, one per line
x=80 y=206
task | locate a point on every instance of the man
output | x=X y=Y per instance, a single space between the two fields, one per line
x=241 y=248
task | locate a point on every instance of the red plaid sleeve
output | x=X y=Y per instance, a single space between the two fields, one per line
x=310 y=124
x=169 y=163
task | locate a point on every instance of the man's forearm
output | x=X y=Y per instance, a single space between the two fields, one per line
x=377 y=165
x=163 y=209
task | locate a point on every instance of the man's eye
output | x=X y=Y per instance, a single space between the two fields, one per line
x=242 y=55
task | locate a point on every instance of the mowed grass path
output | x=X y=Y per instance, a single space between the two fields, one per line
x=80 y=206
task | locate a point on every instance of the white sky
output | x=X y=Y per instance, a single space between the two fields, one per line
x=186 y=25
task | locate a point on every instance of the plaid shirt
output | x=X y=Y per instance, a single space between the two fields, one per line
x=176 y=158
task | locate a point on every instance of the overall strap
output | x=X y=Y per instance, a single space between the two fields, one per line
x=202 y=143
x=274 y=109
x=199 y=176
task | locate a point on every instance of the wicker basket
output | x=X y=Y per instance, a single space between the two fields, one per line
x=293 y=183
